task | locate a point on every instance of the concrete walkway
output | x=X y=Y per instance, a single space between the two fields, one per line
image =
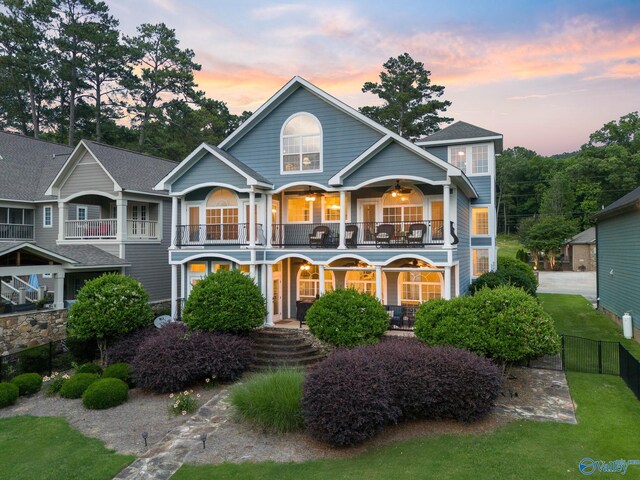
x=574 y=283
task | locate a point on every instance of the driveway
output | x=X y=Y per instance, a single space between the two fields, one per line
x=576 y=283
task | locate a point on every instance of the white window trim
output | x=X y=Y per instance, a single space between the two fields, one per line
x=285 y=212
x=298 y=172
x=384 y=284
x=348 y=205
x=86 y=212
x=400 y=283
x=333 y=282
x=480 y=235
x=469 y=158
x=44 y=216
x=488 y=250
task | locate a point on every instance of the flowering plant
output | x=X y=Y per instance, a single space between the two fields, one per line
x=54 y=382
x=183 y=403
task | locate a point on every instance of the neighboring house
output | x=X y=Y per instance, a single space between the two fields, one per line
x=618 y=269
x=580 y=251
x=309 y=195
x=67 y=215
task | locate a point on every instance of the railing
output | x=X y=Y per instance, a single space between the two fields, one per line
x=14 y=231
x=32 y=293
x=142 y=229
x=105 y=228
x=401 y=317
x=411 y=234
x=217 y=234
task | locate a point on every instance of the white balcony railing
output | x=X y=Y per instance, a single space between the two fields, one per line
x=14 y=231
x=105 y=228
x=142 y=229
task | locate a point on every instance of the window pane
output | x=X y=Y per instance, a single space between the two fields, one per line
x=291 y=145
x=310 y=161
x=298 y=210
x=291 y=163
x=4 y=215
x=28 y=217
x=198 y=267
x=301 y=143
x=459 y=157
x=480 y=159
x=480 y=261
x=302 y=125
x=480 y=221
x=332 y=208
x=15 y=216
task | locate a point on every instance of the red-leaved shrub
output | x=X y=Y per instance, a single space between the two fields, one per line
x=123 y=349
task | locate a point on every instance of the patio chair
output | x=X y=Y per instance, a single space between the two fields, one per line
x=384 y=234
x=417 y=231
x=351 y=236
x=301 y=311
x=395 y=315
x=319 y=236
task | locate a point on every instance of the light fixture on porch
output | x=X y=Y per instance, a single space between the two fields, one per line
x=305 y=267
x=398 y=189
x=311 y=196
x=273 y=210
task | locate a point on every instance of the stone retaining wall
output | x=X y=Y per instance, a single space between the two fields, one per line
x=29 y=329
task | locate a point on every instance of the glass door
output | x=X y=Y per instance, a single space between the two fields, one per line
x=277 y=296
x=368 y=212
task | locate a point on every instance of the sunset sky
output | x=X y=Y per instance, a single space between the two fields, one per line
x=544 y=73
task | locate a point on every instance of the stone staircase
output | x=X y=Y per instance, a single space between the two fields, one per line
x=280 y=347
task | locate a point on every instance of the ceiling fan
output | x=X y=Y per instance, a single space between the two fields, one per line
x=398 y=189
x=311 y=195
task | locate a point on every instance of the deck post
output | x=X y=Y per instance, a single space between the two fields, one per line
x=379 y=282
x=252 y=219
x=446 y=224
x=321 y=285
x=343 y=220
x=174 y=221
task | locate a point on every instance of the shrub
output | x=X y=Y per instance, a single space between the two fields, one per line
x=225 y=301
x=123 y=348
x=522 y=255
x=106 y=307
x=105 y=393
x=54 y=383
x=505 y=324
x=89 y=368
x=509 y=272
x=271 y=400
x=82 y=351
x=518 y=265
x=347 y=318
x=183 y=403
x=28 y=383
x=175 y=358
x=35 y=359
x=77 y=384
x=121 y=371
x=9 y=393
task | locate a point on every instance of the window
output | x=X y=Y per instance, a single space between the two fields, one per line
x=362 y=280
x=480 y=221
x=221 y=215
x=331 y=208
x=403 y=209
x=471 y=159
x=301 y=144
x=309 y=282
x=82 y=213
x=298 y=210
x=16 y=216
x=47 y=216
x=480 y=159
x=458 y=157
x=418 y=287
x=480 y=261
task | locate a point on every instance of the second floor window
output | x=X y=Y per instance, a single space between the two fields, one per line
x=47 y=216
x=480 y=221
x=472 y=159
x=301 y=144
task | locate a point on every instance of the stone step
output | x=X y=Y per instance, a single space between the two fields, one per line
x=279 y=341
x=268 y=348
x=300 y=354
x=280 y=332
x=263 y=364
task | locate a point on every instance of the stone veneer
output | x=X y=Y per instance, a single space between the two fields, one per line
x=29 y=329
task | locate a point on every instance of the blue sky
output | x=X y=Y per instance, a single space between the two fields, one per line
x=544 y=73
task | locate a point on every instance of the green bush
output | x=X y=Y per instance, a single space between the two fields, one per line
x=505 y=324
x=35 y=359
x=518 y=265
x=89 y=368
x=121 y=371
x=105 y=393
x=271 y=400
x=347 y=318
x=509 y=272
x=77 y=384
x=8 y=394
x=225 y=301
x=106 y=307
x=522 y=255
x=28 y=383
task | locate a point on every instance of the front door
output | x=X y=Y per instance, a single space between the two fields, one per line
x=194 y=224
x=277 y=296
x=368 y=213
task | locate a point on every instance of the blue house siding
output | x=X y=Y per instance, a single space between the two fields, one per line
x=482 y=184
x=382 y=255
x=235 y=255
x=619 y=263
x=464 y=253
x=395 y=160
x=441 y=152
x=209 y=169
x=344 y=138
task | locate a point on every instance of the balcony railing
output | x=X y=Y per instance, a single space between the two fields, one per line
x=418 y=233
x=105 y=228
x=142 y=229
x=222 y=234
x=14 y=231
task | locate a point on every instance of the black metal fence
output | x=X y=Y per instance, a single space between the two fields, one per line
x=630 y=370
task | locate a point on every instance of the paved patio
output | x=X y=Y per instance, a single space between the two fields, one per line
x=574 y=283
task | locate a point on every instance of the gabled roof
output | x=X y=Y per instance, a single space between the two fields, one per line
x=75 y=256
x=8 y=247
x=588 y=236
x=629 y=202
x=461 y=132
x=27 y=166
x=252 y=177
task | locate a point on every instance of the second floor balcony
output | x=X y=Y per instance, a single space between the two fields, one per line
x=220 y=234
x=107 y=229
x=14 y=231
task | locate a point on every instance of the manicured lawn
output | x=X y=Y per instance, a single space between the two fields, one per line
x=508 y=245
x=574 y=315
x=48 y=448
x=608 y=428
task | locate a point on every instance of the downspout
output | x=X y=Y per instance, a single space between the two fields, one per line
x=597 y=270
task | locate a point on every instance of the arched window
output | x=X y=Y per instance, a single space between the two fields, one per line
x=364 y=281
x=309 y=282
x=301 y=144
x=403 y=207
x=417 y=287
x=222 y=215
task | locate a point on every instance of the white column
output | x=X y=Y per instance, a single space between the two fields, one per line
x=447 y=283
x=269 y=219
x=174 y=290
x=62 y=218
x=174 y=221
x=183 y=272
x=446 y=189
x=321 y=273
x=269 y=293
x=252 y=219
x=379 y=282
x=58 y=293
x=121 y=228
x=252 y=266
x=343 y=219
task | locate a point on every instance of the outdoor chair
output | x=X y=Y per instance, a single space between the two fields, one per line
x=319 y=236
x=417 y=231
x=395 y=315
x=351 y=236
x=384 y=234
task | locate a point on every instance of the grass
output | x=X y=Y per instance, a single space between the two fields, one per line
x=508 y=245
x=48 y=448
x=271 y=400
x=608 y=428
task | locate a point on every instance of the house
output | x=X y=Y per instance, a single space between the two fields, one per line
x=309 y=195
x=617 y=273
x=68 y=215
x=580 y=251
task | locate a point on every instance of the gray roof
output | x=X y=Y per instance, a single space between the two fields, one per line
x=4 y=246
x=460 y=131
x=131 y=170
x=588 y=236
x=631 y=199
x=28 y=166
x=245 y=168
x=86 y=255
